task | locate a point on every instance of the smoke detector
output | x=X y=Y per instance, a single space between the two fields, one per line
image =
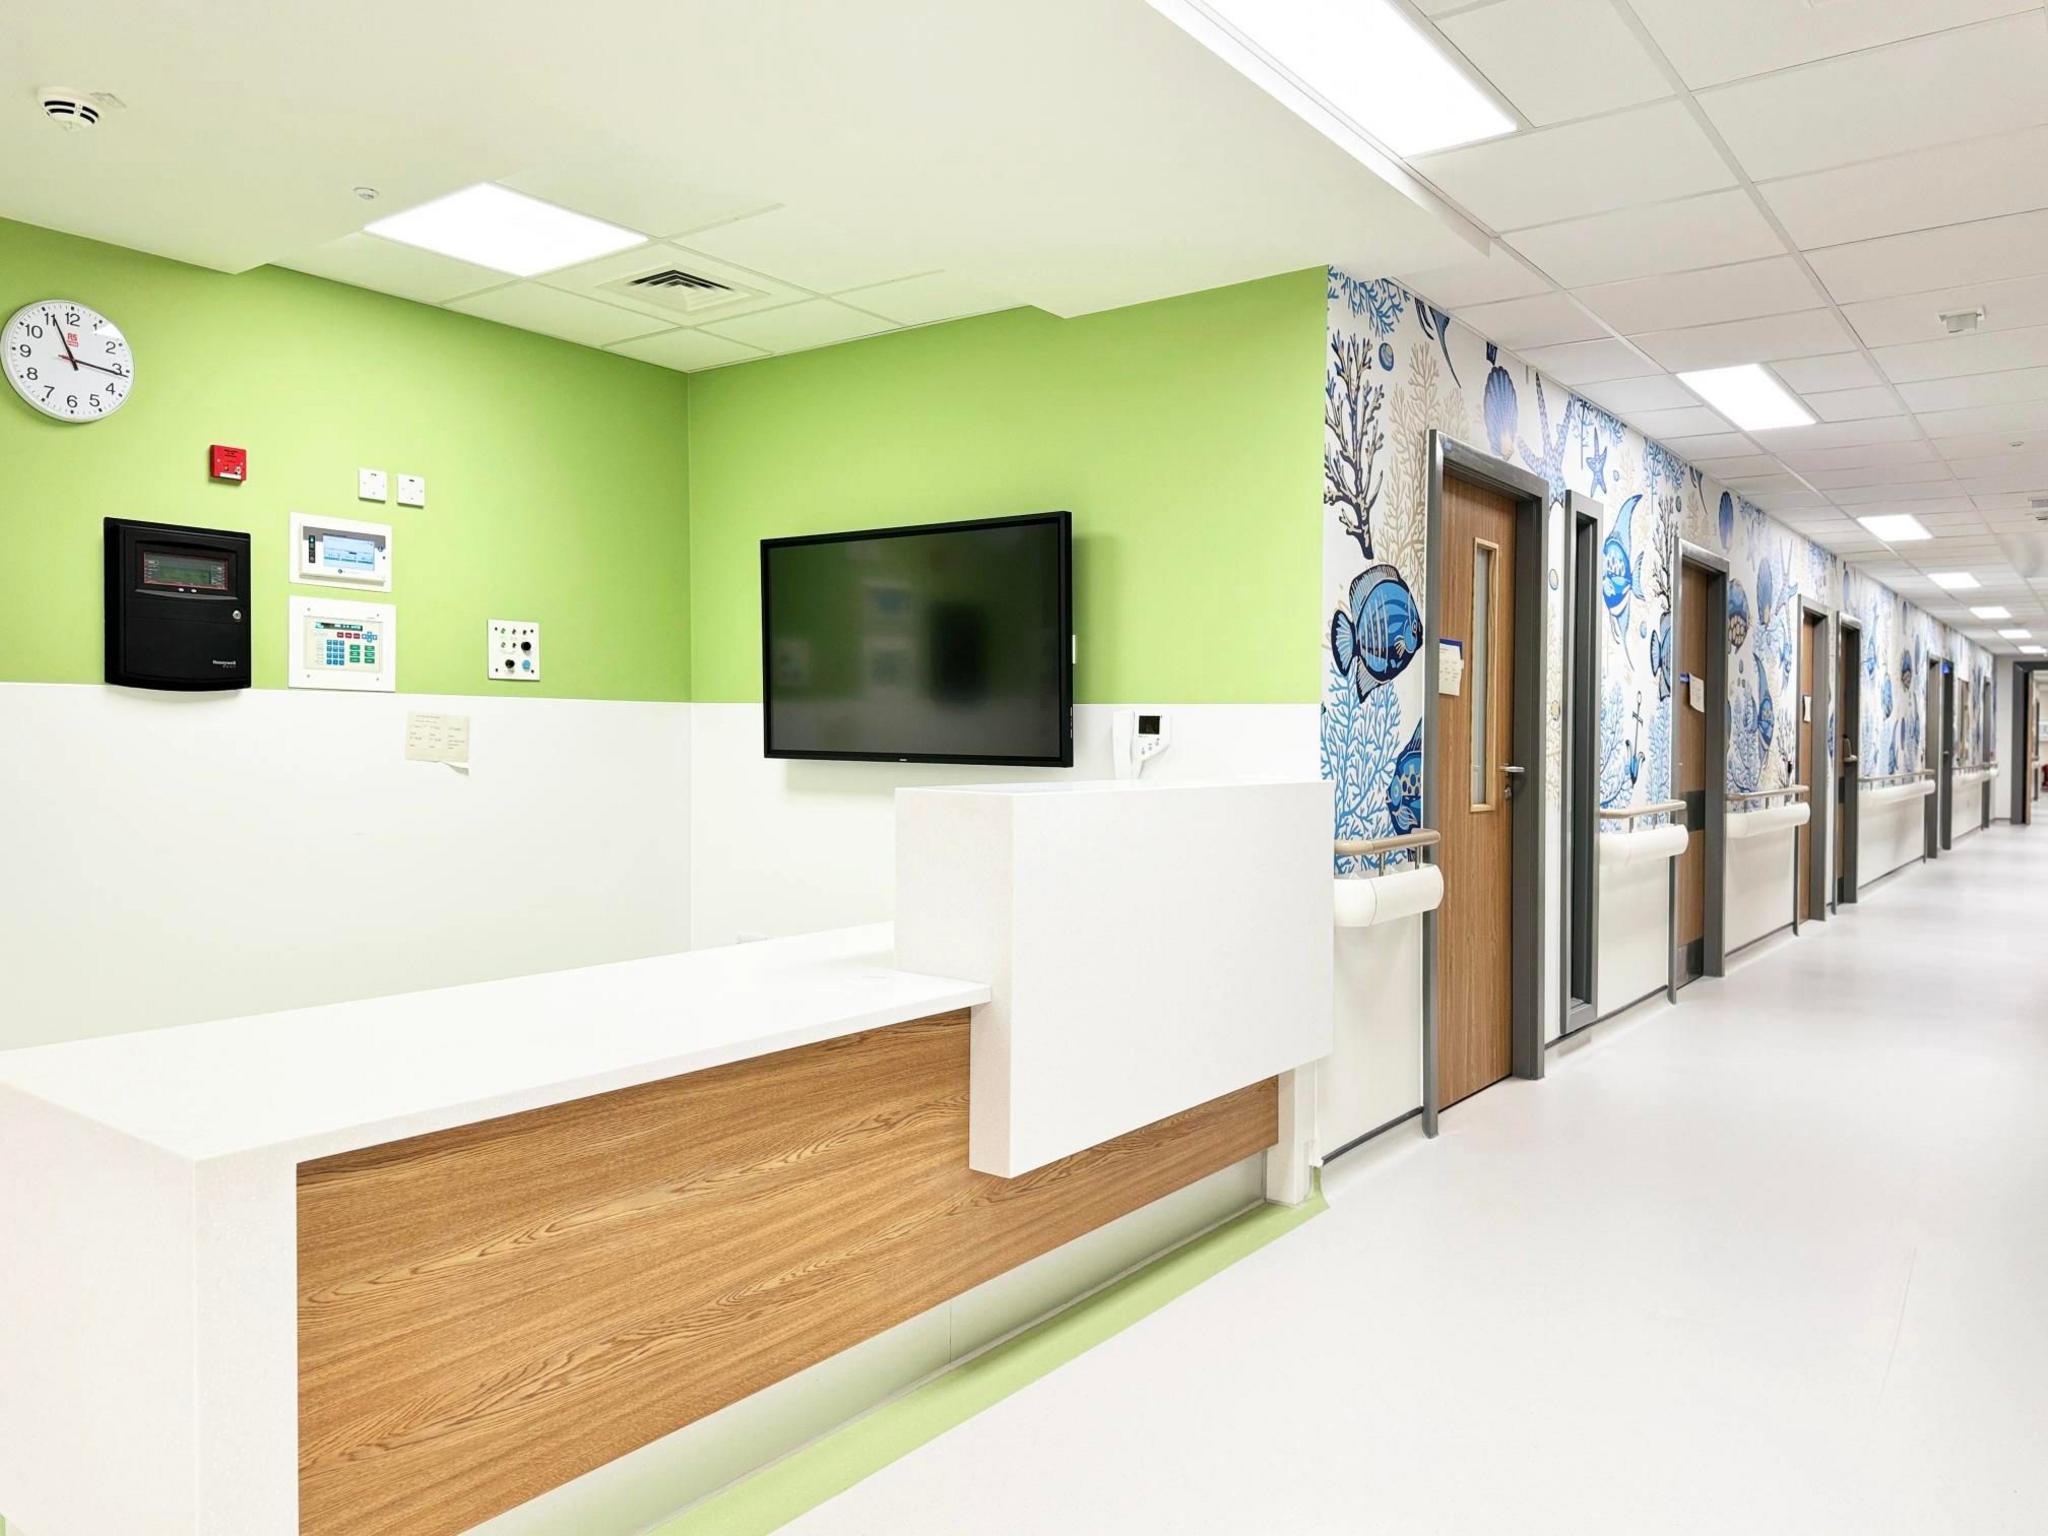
x=68 y=109
x=1960 y=322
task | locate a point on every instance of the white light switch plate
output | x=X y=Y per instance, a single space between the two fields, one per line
x=370 y=485
x=412 y=490
x=514 y=651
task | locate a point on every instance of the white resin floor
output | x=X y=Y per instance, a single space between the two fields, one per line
x=1773 y=1261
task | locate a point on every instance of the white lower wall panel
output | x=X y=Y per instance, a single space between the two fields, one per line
x=1374 y=1071
x=1632 y=954
x=171 y=858
x=784 y=846
x=1890 y=835
x=1758 y=887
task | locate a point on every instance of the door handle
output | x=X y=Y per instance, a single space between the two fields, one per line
x=1514 y=772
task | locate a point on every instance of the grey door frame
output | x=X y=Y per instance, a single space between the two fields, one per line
x=1531 y=495
x=2022 y=698
x=1848 y=789
x=1580 y=843
x=1819 y=797
x=1940 y=689
x=1714 y=961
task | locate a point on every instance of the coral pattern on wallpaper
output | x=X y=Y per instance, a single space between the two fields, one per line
x=1396 y=367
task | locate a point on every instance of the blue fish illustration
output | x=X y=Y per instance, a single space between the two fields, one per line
x=1378 y=632
x=1404 y=792
x=1727 y=519
x=1738 y=616
x=1767 y=593
x=1619 y=579
x=1503 y=413
x=1886 y=695
x=1766 y=711
x=1660 y=655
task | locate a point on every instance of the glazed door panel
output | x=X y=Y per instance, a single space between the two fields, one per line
x=1689 y=772
x=1475 y=969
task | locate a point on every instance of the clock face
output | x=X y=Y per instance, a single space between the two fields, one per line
x=67 y=361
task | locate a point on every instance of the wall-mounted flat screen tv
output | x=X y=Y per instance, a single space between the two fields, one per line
x=944 y=643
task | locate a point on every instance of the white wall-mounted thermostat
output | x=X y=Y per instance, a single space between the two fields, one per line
x=514 y=651
x=334 y=552
x=350 y=646
x=1135 y=739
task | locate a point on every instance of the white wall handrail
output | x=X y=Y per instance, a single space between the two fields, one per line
x=1372 y=847
x=1654 y=808
x=1795 y=791
x=1894 y=778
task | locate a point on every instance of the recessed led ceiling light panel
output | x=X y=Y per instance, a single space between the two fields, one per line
x=1896 y=528
x=2015 y=634
x=507 y=231
x=1749 y=396
x=1995 y=611
x=1954 y=581
x=1363 y=60
x=2034 y=650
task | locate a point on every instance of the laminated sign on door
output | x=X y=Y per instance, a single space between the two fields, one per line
x=1450 y=667
x=1696 y=692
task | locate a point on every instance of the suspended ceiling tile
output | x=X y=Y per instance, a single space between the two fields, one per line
x=921 y=300
x=571 y=317
x=1557 y=59
x=389 y=267
x=1950 y=184
x=1853 y=404
x=1953 y=356
x=794 y=327
x=1910 y=450
x=1541 y=320
x=1642 y=155
x=1730 y=39
x=1589 y=362
x=1934 y=473
x=1654 y=392
x=1747 y=464
x=1839 y=434
x=1734 y=342
x=1775 y=286
x=1707 y=447
x=688 y=351
x=2018 y=304
x=1917 y=498
x=1694 y=232
x=1479 y=279
x=2017 y=420
x=806 y=250
x=1989 y=251
x=1839 y=370
x=1685 y=421
x=2012 y=388
x=632 y=186
x=1939 y=89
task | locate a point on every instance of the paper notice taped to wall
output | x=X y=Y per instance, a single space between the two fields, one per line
x=1696 y=693
x=1450 y=667
x=437 y=738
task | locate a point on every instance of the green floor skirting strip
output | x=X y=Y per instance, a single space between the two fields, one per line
x=805 y=1479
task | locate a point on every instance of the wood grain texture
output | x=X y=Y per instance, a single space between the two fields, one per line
x=1475 y=960
x=1809 y=767
x=1696 y=586
x=491 y=1311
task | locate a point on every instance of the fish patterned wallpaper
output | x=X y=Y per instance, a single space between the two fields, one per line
x=1397 y=366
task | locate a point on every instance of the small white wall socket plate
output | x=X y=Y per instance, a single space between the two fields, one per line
x=412 y=490
x=370 y=485
x=514 y=651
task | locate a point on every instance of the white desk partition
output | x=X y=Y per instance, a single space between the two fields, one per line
x=1148 y=947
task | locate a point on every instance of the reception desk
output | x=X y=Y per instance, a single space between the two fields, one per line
x=401 y=1265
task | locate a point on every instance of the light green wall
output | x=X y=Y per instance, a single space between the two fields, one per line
x=557 y=476
x=1184 y=435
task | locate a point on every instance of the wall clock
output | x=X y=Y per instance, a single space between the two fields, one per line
x=67 y=361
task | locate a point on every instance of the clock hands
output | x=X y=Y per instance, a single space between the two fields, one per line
x=79 y=362
x=63 y=341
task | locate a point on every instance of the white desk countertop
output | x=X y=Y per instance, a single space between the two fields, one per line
x=316 y=1081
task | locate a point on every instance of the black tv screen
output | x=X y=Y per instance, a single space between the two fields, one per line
x=945 y=643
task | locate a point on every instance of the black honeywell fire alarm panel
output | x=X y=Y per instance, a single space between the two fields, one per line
x=177 y=606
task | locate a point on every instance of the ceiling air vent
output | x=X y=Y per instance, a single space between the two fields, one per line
x=689 y=293
x=1960 y=322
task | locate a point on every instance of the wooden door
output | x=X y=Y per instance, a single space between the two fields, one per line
x=1475 y=948
x=1689 y=773
x=1809 y=763
x=1931 y=744
x=1848 y=663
